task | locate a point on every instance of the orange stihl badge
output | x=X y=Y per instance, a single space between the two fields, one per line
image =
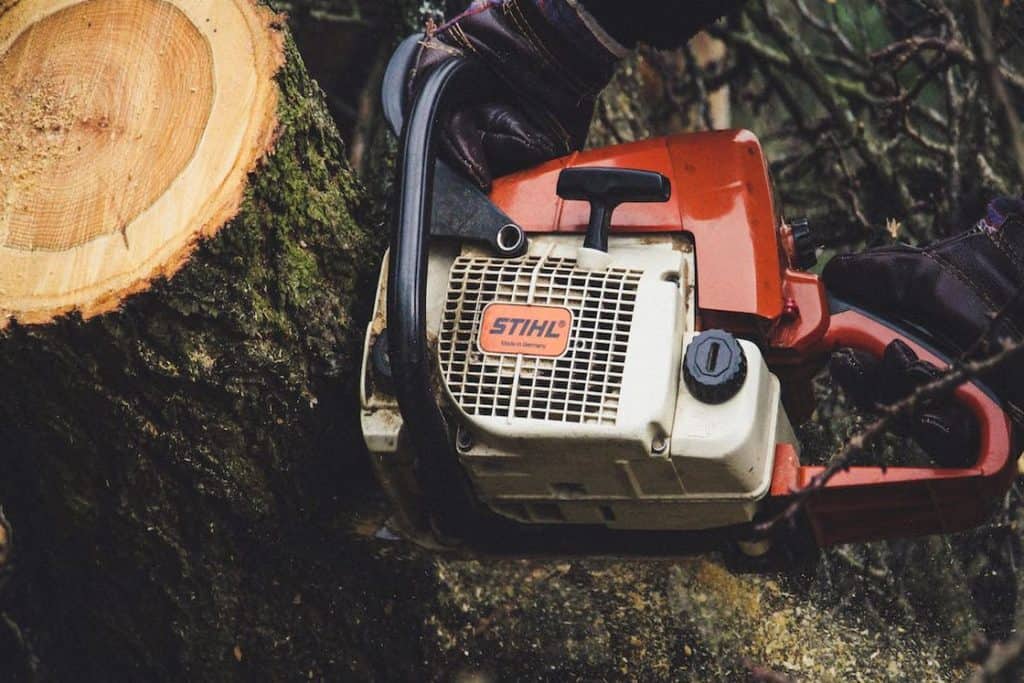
x=525 y=330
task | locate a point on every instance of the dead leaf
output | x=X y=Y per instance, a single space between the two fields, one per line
x=894 y=227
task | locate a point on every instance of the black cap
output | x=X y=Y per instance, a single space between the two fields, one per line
x=714 y=367
x=805 y=247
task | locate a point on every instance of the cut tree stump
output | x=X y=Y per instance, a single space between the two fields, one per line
x=128 y=130
x=185 y=261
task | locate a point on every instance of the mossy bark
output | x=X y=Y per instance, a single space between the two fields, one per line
x=171 y=469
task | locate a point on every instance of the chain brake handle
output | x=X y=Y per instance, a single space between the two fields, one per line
x=866 y=503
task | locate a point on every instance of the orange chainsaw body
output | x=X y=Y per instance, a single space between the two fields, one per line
x=722 y=197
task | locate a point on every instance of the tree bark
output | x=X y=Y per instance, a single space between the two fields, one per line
x=176 y=469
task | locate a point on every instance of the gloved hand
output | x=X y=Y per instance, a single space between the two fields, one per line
x=549 y=61
x=945 y=430
x=953 y=289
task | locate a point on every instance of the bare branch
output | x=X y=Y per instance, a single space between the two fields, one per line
x=368 y=112
x=1013 y=131
x=1000 y=660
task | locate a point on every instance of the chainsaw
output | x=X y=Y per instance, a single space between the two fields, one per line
x=604 y=353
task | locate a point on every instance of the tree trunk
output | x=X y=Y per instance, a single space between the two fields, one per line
x=175 y=446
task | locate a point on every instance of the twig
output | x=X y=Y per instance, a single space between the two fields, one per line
x=368 y=113
x=1006 y=112
x=807 y=68
x=6 y=540
x=851 y=186
x=828 y=27
x=903 y=50
x=954 y=105
x=957 y=374
x=992 y=178
x=766 y=54
x=955 y=50
x=999 y=659
x=960 y=371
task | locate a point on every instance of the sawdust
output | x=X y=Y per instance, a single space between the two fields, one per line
x=755 y=618
x=126 y=111
x=691 y=619
x=124 y=147
x=35 y=119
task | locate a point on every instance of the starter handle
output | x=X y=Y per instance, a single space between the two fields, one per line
x=606 y=188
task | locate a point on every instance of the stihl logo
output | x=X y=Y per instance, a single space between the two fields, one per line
x=525 y=330
x=525 y=327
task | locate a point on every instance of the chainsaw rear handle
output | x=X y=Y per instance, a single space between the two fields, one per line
x=865 y=503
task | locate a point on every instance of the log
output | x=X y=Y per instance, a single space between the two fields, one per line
x=183 y=260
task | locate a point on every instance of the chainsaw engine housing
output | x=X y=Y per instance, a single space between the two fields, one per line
x=564 y=388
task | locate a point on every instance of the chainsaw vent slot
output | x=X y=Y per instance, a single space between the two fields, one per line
x=546 y=512
x=568 y=489
x=583 y=385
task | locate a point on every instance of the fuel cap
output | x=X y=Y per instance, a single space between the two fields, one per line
x=714 y=367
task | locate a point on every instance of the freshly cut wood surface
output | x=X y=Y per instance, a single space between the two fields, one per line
x=127 y=130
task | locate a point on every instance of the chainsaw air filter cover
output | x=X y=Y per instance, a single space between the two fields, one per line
x=537 y=339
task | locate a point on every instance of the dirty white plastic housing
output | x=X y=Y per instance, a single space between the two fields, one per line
x=607 y=433
x=592 y=259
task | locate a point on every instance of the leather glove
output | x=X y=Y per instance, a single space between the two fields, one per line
x=549 y=60
x=945 y=430
x=953 y=289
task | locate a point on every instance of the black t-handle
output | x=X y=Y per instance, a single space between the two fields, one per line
x=605 y=189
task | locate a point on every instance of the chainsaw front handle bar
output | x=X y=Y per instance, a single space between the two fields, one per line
x=425 y=426
x=864 y=503
x=394 y=85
